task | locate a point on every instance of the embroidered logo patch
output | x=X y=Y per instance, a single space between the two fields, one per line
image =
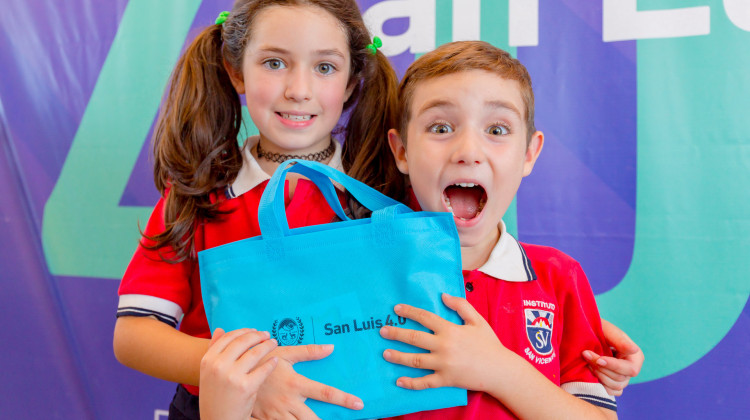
x=288 y=332
x=539 y=325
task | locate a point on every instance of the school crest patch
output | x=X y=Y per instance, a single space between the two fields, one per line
x=539 y=325
x=288 y=332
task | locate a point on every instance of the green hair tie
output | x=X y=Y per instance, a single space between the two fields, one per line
x=222 y=18
x=376 y=43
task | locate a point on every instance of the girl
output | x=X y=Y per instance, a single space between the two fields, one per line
x=299 y=63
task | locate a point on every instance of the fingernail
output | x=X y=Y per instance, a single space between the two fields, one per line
x=601 y=362
x=387 y=354
x=397 y=308
x=327 y=347
x=400 y=383
x=588 y=355
x=265 y=334
x=252 y=329
x=358 y=405
x=384 y=331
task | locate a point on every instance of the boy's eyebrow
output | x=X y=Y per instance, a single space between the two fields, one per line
x=505 y=105
x=435 y=103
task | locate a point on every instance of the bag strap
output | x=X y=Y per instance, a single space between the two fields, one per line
x=272 y=214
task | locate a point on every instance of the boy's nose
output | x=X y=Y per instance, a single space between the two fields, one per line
x=298 y=87
x=468 y=149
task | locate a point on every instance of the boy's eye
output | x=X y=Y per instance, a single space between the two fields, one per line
x=274 y=64
x=441 y=129
x=326 y=68
x=498 y=130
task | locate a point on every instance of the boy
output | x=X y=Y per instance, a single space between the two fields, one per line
x=466 y=139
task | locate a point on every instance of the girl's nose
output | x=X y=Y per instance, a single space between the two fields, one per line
x=299 y=88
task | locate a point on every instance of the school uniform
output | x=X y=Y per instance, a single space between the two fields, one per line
x=540 y=304
x=170 y=292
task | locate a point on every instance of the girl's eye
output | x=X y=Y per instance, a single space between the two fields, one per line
x=326 y=68
x=274 y=64
x=440 y=129
x=498 y=130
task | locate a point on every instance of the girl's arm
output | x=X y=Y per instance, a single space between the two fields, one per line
x=231 y=373
x=157 y=349
x=471 y=356
x=615 y=372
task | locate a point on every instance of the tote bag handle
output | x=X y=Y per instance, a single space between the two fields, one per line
x=272 y=214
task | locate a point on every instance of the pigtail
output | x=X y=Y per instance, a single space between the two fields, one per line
x=366 y=154
x=195 y=142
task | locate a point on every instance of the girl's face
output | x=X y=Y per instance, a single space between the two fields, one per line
x=295 y=75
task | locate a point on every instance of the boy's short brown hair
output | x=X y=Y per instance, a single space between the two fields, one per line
x=460 y=56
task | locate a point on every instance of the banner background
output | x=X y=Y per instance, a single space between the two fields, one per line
x=643 y=179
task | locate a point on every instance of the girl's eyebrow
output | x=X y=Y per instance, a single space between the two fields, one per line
x=319 y=53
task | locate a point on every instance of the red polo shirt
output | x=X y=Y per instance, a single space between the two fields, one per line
x=171 y=292
x=540 y=304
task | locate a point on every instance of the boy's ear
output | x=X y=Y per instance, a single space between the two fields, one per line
x=399 y=150
x=532 y=152
x=236 y=77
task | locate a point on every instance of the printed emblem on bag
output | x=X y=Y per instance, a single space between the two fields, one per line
x=539 y=330
x=288 y=332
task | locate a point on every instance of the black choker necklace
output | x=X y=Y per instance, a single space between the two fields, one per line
x=279 y=158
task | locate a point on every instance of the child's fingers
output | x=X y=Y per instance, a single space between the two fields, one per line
x=224 y=339
x=620 y=368
x=243 y=343
x=613 y=387
x=329 y=394
x=462 y=307
x=294 y=354
x=418 y=384
x=250 y=359
x=415 y=360
x=261 y=373
x=426 y=318
x=416 y=338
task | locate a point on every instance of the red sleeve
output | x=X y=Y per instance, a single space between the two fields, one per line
x=582 y=328
x=152 y=286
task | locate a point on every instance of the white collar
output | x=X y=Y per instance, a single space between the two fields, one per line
x=251 y=174
x=508 y=260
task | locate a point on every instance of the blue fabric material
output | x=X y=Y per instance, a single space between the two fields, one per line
x=337 y=284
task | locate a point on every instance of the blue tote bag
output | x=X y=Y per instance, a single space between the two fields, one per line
x=337 y=284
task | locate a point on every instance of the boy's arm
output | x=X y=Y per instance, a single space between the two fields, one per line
x=485 y=365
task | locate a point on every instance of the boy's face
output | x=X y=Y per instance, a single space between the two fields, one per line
x=466 y=150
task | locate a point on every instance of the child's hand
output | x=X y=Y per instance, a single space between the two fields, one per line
x=231 y=373
x=615 y=372
x=465 y=356
x=283 y=394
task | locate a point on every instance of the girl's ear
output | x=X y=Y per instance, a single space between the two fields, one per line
x=399 y=150
x=532 y=152
x=236 y=77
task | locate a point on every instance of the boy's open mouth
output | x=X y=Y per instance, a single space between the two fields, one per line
x=465 y=200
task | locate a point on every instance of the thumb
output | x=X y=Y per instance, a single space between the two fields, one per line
x=218 y=332
x=294 y=354
x=462 y=307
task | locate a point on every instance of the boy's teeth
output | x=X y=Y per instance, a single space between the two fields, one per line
x=465 y=184
x=291 y=117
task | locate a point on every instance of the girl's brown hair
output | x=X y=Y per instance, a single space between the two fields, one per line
x=195 y=141
x=447 y=59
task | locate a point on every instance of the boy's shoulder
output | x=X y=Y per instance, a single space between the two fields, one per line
x=549 y=259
